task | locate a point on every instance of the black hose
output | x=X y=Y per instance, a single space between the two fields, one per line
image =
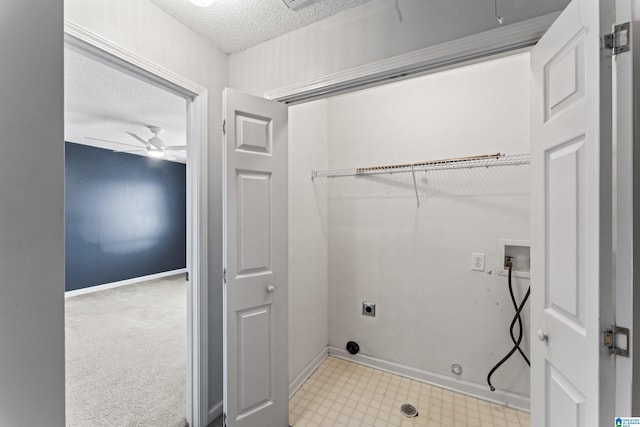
x=518 y=319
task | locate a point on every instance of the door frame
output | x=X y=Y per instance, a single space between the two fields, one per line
x=626 y=205
x=105 y=51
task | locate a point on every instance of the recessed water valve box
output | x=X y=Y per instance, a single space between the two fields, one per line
x=368 y=309
x=519 y=252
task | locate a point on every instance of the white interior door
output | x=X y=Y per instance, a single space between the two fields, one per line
x=571 y=221
x=255 y=261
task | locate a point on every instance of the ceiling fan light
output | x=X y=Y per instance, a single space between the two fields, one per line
x=156 y=153
x=202 y=3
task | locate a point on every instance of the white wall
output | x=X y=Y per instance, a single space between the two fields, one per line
x=414 y=262
x=368 y=33
x=308 y=322
x=31 y=214
x=143 y=28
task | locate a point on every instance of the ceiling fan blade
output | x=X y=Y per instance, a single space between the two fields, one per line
x=175 y=148
x=146 y=144
x=108 y=140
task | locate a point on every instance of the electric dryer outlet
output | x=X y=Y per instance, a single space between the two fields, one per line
x=368 y=309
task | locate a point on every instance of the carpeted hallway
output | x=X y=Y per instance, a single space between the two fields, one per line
x=125 y=356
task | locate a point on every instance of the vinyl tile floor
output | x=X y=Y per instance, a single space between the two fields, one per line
x=346 y=394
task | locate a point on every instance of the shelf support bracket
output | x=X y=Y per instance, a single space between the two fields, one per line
x=415 y=186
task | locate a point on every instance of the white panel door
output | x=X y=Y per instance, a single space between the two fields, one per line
x=255 y=262
x=571 y=222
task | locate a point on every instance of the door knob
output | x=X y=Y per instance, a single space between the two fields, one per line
x=543 y=334
x=270 y=289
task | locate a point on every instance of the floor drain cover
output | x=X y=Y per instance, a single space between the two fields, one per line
x=409 y=410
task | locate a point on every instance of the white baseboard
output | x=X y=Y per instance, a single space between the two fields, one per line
x=214 y=412
x=511 y=400
x=97 y=288
x=307 y=371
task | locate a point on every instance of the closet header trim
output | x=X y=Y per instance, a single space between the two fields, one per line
x=496 y=42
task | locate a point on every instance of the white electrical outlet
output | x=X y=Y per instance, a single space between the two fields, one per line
x=477 y=262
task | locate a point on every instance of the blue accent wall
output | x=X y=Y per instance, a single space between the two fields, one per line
x=125 y=216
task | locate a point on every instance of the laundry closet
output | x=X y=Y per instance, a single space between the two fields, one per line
x=373 y=219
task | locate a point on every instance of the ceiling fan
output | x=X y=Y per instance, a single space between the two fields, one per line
x=154 y=146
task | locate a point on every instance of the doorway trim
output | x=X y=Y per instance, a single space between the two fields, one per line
x=501 y=41
x=101 y=49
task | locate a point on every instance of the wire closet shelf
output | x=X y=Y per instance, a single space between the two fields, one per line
x=482 y=161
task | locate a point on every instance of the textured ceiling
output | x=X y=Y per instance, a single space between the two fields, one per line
x=235 y=25
x=105 y=103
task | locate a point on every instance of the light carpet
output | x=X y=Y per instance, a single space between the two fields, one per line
x=126 y=356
